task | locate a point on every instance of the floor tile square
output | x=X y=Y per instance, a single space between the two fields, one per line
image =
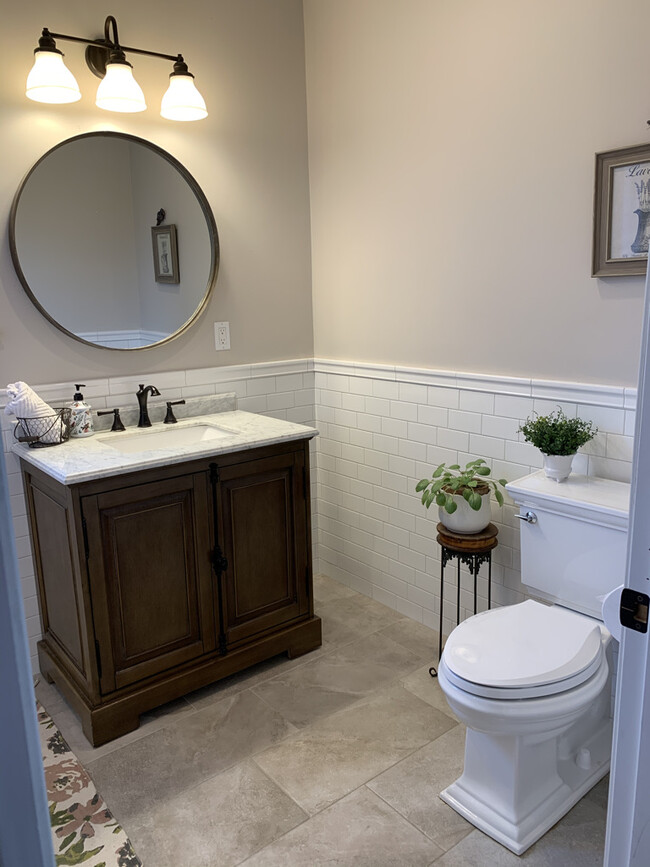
x=337 y=680
x=218 y=823
x=256 y=674
x=358 y=831
x=349 y=618
x=144 y=774
x=326 y=589
x=416 y=637
x=329 y=759
x=427 y=688
x=412 y=787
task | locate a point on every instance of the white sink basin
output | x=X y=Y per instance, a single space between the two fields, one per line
x=169 y=438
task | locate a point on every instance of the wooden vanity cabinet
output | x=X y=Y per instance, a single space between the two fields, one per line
x=155 y=583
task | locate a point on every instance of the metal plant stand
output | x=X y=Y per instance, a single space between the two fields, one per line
x=472 y=549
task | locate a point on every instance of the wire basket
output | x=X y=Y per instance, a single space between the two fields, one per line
x=47 y=430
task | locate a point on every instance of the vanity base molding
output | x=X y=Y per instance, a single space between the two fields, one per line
x=121 y=714
x=158 y=582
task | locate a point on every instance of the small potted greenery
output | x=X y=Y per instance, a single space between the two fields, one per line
x=558 y=438
x=462 y=494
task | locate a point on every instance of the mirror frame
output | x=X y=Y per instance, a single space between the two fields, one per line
x=203 y=203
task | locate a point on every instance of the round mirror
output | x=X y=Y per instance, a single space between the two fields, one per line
x=114 y=241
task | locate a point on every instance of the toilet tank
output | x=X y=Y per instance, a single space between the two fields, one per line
x=575 y=552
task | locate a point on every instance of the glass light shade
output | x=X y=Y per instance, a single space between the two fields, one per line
x=182 y=101
x=50 y=80
x=119 y=91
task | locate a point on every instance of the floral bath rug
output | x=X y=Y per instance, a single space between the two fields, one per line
x=83 y=828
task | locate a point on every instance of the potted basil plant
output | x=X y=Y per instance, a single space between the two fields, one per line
x=462 y=495
x=558 y=438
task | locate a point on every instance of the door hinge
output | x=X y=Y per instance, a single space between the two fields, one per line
x=99 y=659
x=84 y=529
x=634 y=609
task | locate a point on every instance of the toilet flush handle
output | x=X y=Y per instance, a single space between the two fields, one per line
x=529 y=517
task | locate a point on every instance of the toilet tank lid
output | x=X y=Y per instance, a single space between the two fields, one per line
x=580 y=493
x=528 y=644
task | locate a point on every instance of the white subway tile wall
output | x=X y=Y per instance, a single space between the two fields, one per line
x=381 y=429
x=374 y=534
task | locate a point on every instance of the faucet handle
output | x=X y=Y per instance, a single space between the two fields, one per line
x=117 y=421
x=170 y=418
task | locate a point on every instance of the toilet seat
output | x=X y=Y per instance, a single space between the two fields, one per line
x=522 y=651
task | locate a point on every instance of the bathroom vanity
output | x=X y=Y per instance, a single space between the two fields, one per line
x=169 y=559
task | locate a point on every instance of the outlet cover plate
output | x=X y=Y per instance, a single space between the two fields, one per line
x=221 y=336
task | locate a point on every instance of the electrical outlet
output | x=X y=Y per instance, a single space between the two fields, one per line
x=221 y=335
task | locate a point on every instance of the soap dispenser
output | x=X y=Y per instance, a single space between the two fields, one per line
x=81 y=420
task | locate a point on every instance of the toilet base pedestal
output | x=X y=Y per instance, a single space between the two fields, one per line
x=514 y=789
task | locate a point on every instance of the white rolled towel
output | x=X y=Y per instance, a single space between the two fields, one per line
x=25 y=403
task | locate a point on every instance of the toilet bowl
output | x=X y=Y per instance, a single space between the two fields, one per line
x=532 y=682
x=538 y=728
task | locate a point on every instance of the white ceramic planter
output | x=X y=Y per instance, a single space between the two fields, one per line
x=465 y=519
x=558 y=467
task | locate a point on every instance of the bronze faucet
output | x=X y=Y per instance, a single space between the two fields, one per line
x=142 y=396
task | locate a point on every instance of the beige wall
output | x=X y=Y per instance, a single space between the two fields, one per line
x=451 y=172
x=451 y=147
x=249 y=156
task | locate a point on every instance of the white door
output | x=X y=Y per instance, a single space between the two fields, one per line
x=25 y=835
x=628 y=818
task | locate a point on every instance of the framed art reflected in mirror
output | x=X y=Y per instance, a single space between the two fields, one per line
x=165 y=254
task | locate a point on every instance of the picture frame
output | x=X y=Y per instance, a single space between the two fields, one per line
x=621 y=212
x=165 y=254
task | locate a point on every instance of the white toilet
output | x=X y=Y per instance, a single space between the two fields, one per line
x=532 y=682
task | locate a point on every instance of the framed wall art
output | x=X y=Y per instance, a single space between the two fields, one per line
x=621 y=212
x=165 y=254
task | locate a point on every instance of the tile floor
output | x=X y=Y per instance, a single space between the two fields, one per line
x=333 y=758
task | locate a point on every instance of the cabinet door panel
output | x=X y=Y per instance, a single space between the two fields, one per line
x=153 y=564
x=264 y=541
x=55 y=568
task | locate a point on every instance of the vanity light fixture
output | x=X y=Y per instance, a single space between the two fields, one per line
x=52 y=82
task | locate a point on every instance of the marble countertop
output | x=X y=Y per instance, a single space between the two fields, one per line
x=88 y=458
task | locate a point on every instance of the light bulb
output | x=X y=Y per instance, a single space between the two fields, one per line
x=50 y=80
x=119 y=91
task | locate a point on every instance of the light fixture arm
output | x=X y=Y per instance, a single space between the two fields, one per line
x=98 y=50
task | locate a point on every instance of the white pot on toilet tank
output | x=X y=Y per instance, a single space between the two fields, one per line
x=558 y=467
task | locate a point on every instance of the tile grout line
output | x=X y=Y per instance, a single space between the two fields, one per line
x=399 y=813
